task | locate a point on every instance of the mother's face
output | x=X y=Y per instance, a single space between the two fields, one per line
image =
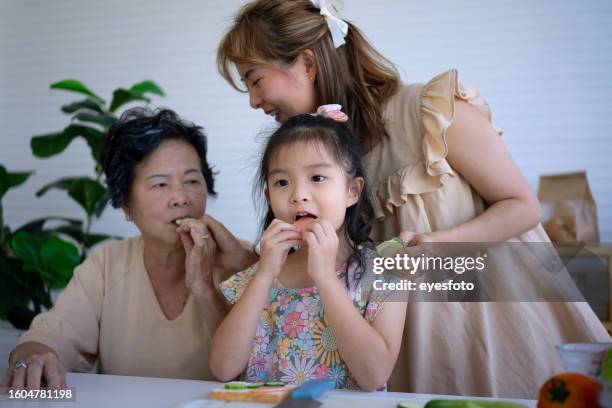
x=168 y=185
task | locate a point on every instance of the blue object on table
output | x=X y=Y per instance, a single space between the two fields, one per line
x=313 y=388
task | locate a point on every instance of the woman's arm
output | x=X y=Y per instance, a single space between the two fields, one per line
x=369 y=351
x=232 y=256
x=42 y=362
x=476 y=151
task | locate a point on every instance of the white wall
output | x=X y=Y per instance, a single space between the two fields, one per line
x=545 y=67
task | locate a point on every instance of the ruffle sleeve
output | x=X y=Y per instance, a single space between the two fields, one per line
x=233 y=288
x=436 y=107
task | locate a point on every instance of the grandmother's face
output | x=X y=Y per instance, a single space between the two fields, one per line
x=168 y=185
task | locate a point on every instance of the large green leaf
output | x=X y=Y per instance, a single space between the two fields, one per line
x=87 y=104
x=75 y=85
x=27 y=247
x=87 y=193
x=147 y=87
x=51 y=144
x=102 y=205
x=100 y=119
x=10 y=180
x=61 y=184
x=122 y=96
x=77 y=234
x=95 y=144
x=59 y=258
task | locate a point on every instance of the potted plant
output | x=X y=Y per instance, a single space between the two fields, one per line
x=41 y=255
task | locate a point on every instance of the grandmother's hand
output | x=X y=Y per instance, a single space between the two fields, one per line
x=31 y=365
x=231 y=255
x=200 y=251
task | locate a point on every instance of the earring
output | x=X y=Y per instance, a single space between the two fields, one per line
x=128 y=217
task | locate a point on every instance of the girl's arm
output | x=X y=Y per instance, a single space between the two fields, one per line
x=369 y=351
x=233 y=341
x=476 y=151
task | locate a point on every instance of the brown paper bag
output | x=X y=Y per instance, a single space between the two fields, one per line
x=569 y=213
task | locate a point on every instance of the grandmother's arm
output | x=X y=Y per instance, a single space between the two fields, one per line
x=71 y=327
x=63 y=339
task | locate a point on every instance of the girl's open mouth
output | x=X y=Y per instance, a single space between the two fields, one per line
x=303 y=219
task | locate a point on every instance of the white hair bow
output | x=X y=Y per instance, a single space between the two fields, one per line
x=337 y=27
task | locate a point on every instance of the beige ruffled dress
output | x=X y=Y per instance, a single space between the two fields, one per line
x=482 y=349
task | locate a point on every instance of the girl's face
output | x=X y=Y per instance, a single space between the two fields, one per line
x=168 y=185
x=304 y=180
x=280 y=91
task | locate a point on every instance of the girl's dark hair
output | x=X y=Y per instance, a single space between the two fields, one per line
x=338 y=140
x=139 y=132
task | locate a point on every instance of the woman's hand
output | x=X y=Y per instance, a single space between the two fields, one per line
x=200 y=251
x=231 y=255
x=322 y=242
x=43 y=366
x=275 y=244
x=414 y=239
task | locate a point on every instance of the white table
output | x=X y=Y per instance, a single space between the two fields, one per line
x=103 y=391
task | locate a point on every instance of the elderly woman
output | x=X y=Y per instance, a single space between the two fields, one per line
x=144 y=306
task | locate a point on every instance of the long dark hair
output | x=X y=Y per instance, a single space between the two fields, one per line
x=338 y=140
x=355 y=75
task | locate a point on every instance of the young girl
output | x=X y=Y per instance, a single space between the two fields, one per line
x=438 y=172
x=304 y=314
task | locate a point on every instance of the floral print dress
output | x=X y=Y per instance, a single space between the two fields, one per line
x=293 y=342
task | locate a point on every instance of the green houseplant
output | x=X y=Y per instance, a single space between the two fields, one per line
x=42 y=254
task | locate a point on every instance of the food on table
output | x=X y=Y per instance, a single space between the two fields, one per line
x=569 y=390
x=252 y=392
x=472 y=404
x=606 y=366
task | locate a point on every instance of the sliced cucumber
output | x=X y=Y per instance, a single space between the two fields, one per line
x=410 y=404
x=236 y=385
x=472 y=404
x=255 y=385
x=274 y=384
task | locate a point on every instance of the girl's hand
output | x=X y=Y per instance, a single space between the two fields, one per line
x=275 y=244
x=231 y=255
x=322 y=242
x=413 y=239
x=200 y=250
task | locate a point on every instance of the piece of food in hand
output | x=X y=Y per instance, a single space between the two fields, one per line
x=179 y=221
x=390 y=248
x=251 y=392
x=569 y=390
